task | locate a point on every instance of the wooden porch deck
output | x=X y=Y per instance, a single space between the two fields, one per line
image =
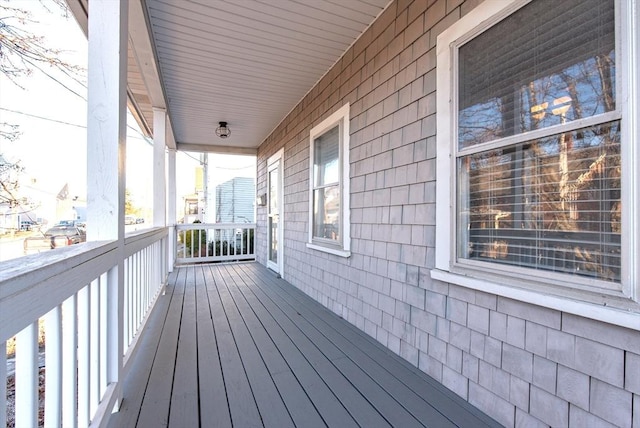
x=232 y=345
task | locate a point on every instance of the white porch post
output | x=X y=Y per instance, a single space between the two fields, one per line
x=106 y=148
x=159 y=160
x=171 y=208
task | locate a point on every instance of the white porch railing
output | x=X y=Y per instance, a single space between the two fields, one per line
x=90 y=325
x=215 y=242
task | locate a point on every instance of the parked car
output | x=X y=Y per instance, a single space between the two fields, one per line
x=129 y=219
x=139 y=220
x=57 y=236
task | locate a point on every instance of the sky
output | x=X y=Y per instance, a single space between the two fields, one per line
x=52 y=123
x=51 y=118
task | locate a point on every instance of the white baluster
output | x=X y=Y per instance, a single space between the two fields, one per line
x=84 y=354
x=94 y=347
x=104 y=327
x=69 y=363
x=53 y=364
x=3 y=381
x=27 y=376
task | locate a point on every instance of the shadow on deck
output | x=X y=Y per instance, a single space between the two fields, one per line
x=232 y=345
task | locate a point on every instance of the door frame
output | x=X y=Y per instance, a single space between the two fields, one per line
x=276 y=161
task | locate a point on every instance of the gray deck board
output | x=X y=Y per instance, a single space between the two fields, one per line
x=356 y=404
x=157 y=398
x=297 y=402
x=326 y=403
x=184 y=394
x=232 y=345
x=438 y=398
x=242 y=405
x=356 y=371
x=214 y=410
x=136 y=382
x=272 y=409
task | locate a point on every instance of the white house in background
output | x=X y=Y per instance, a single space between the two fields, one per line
x=235 y=201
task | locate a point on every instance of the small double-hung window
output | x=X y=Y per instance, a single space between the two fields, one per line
x=532 y=138
x=329 y=185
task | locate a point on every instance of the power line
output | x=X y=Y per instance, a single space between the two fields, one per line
x=232 y=169
x=58 y=81
x=70 y=124
x=43 y=118
x=142 y=136
x=190 y=156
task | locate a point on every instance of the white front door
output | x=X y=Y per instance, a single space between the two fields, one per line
x=274 y=208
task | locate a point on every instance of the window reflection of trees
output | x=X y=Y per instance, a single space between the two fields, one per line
x=588 y=87
x=326 y=192
x=518 y=213
x=552 y=203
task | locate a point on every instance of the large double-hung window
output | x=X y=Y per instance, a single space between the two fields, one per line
x=329 y=215
x=533 y=136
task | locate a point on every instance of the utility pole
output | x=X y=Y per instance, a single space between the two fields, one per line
x=205 y=187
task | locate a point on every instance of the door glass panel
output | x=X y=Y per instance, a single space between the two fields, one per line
x=273 y=239
x=273 y=214
x=273 y=191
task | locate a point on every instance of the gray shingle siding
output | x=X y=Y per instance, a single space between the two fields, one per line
x=511 y=359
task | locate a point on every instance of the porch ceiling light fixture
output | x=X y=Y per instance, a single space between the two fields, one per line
x=223 y=130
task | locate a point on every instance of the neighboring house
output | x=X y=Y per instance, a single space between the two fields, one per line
x=9 y=220
x=462 y=185
x=191 y=209
x=235 y=201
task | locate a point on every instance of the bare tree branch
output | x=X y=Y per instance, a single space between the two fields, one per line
x=21 y=53
x=20 y=50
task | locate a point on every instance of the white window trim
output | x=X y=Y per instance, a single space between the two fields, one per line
x=618 y=307
x=340 y=115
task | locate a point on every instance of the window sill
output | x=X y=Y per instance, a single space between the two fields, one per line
x=623 y=318
x=334 y=251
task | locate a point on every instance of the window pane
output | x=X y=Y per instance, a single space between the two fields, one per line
x=326 y=155
x=273 y=239
x=546 y=64
x=326 y=213
x=550 y=204
x=273 y=191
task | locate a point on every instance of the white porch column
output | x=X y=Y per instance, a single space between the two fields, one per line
x=171 y=208
x=159 y=160
x=107 y=119
x=106 y=148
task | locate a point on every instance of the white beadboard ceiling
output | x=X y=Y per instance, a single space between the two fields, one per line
x=246 y=62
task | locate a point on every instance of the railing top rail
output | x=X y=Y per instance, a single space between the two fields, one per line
x=34 y=268
x=135 y=241
x=31 y=285
x=197 y=226
x=145 y=233
x=29 y=295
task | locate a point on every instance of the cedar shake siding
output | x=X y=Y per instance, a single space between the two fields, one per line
x=523 y=364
